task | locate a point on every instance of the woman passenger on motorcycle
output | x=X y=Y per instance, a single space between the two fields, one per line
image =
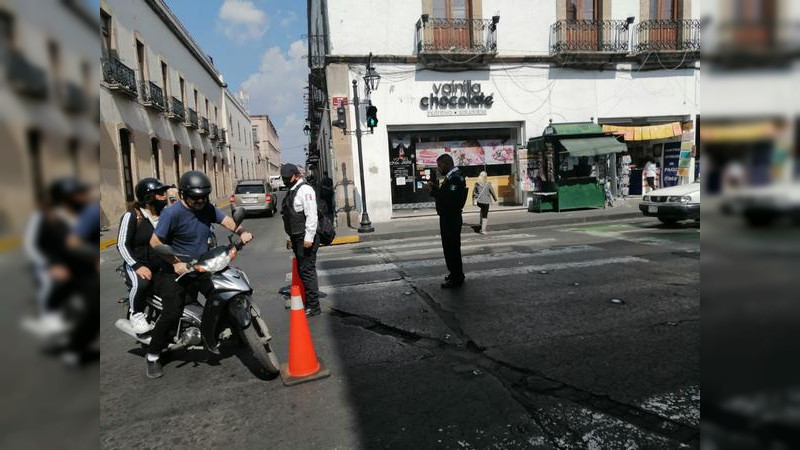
x=141 y=263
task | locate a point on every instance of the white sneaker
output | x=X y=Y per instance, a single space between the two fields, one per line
x=140 y=324
x=47 y=325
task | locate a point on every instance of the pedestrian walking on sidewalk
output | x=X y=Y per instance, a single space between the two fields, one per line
x=450 y=198
x=300 y=221
x=483 y=195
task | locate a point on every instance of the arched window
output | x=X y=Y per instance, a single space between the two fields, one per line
x=127 y=172
x=156 y=160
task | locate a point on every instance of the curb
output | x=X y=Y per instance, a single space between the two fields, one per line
x=513 y=225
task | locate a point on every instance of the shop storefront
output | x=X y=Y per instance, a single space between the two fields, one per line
x=663 y=141
x=413 y=155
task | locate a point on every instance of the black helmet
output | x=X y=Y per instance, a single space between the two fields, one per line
x=63 y=189
x=194 y=183
x=147 y=187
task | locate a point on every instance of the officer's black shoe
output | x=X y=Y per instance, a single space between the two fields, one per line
x=452 y=283
x=313 y=311
x=154 y=369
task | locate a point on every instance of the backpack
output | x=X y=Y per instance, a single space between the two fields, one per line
x=325 y=228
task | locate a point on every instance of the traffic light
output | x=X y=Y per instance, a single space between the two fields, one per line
x=341 y=121
x=372 y=117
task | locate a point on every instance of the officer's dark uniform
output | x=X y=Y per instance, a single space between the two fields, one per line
x=450 y=199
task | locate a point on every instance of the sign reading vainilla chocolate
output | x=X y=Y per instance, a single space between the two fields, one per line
x=456 y=95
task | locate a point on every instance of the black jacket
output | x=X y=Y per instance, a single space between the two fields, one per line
x=133 y=242
x=451 y=196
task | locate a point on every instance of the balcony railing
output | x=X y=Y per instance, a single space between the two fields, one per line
x=119 y=76
x=203 y=125
x=152 y=95
x=26 y=78
x=213 y=132
x=456 y=36
x=668 y=35
x=589 y=36
x=73 y=98
x=175 y=110
x=191 y=118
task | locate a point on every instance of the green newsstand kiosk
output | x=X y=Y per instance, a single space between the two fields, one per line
x=570 y=162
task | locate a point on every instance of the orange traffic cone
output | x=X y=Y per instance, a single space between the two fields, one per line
x=303 y=363
x=296 y=281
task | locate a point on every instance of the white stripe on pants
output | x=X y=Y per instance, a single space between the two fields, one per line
x=134 y=287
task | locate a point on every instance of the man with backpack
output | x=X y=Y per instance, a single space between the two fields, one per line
x=307 y=228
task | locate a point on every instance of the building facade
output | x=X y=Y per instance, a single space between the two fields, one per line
x=478 y=78
x=48 y=106
x=265 y=135
x=164 y=107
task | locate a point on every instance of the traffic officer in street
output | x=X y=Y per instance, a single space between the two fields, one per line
x=300 y=217
x=450 y=199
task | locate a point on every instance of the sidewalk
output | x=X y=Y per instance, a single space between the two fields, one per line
x=500 y=218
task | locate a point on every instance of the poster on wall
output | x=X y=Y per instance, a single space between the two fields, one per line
x=497 y=152
x=685 y=160
x=466 y=153
x=671 y=158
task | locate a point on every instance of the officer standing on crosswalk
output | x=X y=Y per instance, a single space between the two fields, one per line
x=300 y=220
x=450 y=199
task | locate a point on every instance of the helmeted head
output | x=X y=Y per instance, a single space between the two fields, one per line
x=152 y=192
x=289 y=174
x=69 y=192
x=194 y=188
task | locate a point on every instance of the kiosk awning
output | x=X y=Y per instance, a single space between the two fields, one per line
x=593 y=146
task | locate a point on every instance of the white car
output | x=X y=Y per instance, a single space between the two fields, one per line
x=673 y=203
x=277 y=183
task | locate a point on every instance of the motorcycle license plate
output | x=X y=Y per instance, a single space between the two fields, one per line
x=652 y=209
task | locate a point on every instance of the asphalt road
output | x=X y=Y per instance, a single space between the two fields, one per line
x=531 y=353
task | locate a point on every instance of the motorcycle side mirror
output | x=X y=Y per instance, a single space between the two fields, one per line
x=238 y=215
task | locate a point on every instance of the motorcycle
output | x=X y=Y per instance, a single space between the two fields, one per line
x=227 y=309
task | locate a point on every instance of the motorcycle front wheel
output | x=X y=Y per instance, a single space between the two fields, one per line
x=261 y=349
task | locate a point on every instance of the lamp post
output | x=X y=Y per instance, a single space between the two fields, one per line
x=366 y=224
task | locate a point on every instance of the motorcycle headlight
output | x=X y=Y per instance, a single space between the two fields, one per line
x=217 y=263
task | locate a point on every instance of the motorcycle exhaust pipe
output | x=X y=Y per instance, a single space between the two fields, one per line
x=125 y=326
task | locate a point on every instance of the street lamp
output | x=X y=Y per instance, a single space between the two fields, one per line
x=306 y=129
x=372 y=79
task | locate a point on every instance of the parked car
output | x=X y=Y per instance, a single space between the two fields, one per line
x=765 y=205
x=255 y=196
x=673 y=204
x=277 y=183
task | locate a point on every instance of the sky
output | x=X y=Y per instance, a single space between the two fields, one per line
x=257 y=45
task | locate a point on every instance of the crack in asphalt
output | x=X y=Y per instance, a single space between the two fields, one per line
x=518 y=381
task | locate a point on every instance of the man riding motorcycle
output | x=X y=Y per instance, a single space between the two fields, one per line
x=133 y=242
x=184 y=226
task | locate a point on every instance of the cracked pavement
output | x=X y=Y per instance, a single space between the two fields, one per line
x=518 y=358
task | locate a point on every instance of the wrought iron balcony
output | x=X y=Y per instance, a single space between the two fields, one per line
x=24 y=77
x=667 y=35
x=203 y=125
x=152 y=95
x=175 y=110
x=589 y=36
x=437 y=36
x=191 y=118
x=72 y=98
x=213 y=133
x=118 y=76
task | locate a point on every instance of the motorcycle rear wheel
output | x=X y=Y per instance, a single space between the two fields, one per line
x=262 y=351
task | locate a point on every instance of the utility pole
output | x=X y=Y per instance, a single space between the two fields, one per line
x=366 y=224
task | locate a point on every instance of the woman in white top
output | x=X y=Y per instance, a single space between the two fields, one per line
x=483 y=194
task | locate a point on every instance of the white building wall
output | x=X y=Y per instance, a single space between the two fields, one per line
x=240 y=138
x=528 y=96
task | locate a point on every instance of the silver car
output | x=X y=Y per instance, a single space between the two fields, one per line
x=255 y=196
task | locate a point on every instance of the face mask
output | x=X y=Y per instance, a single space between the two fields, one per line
x=158 y=205
x=197 y=204
x=288 y=182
